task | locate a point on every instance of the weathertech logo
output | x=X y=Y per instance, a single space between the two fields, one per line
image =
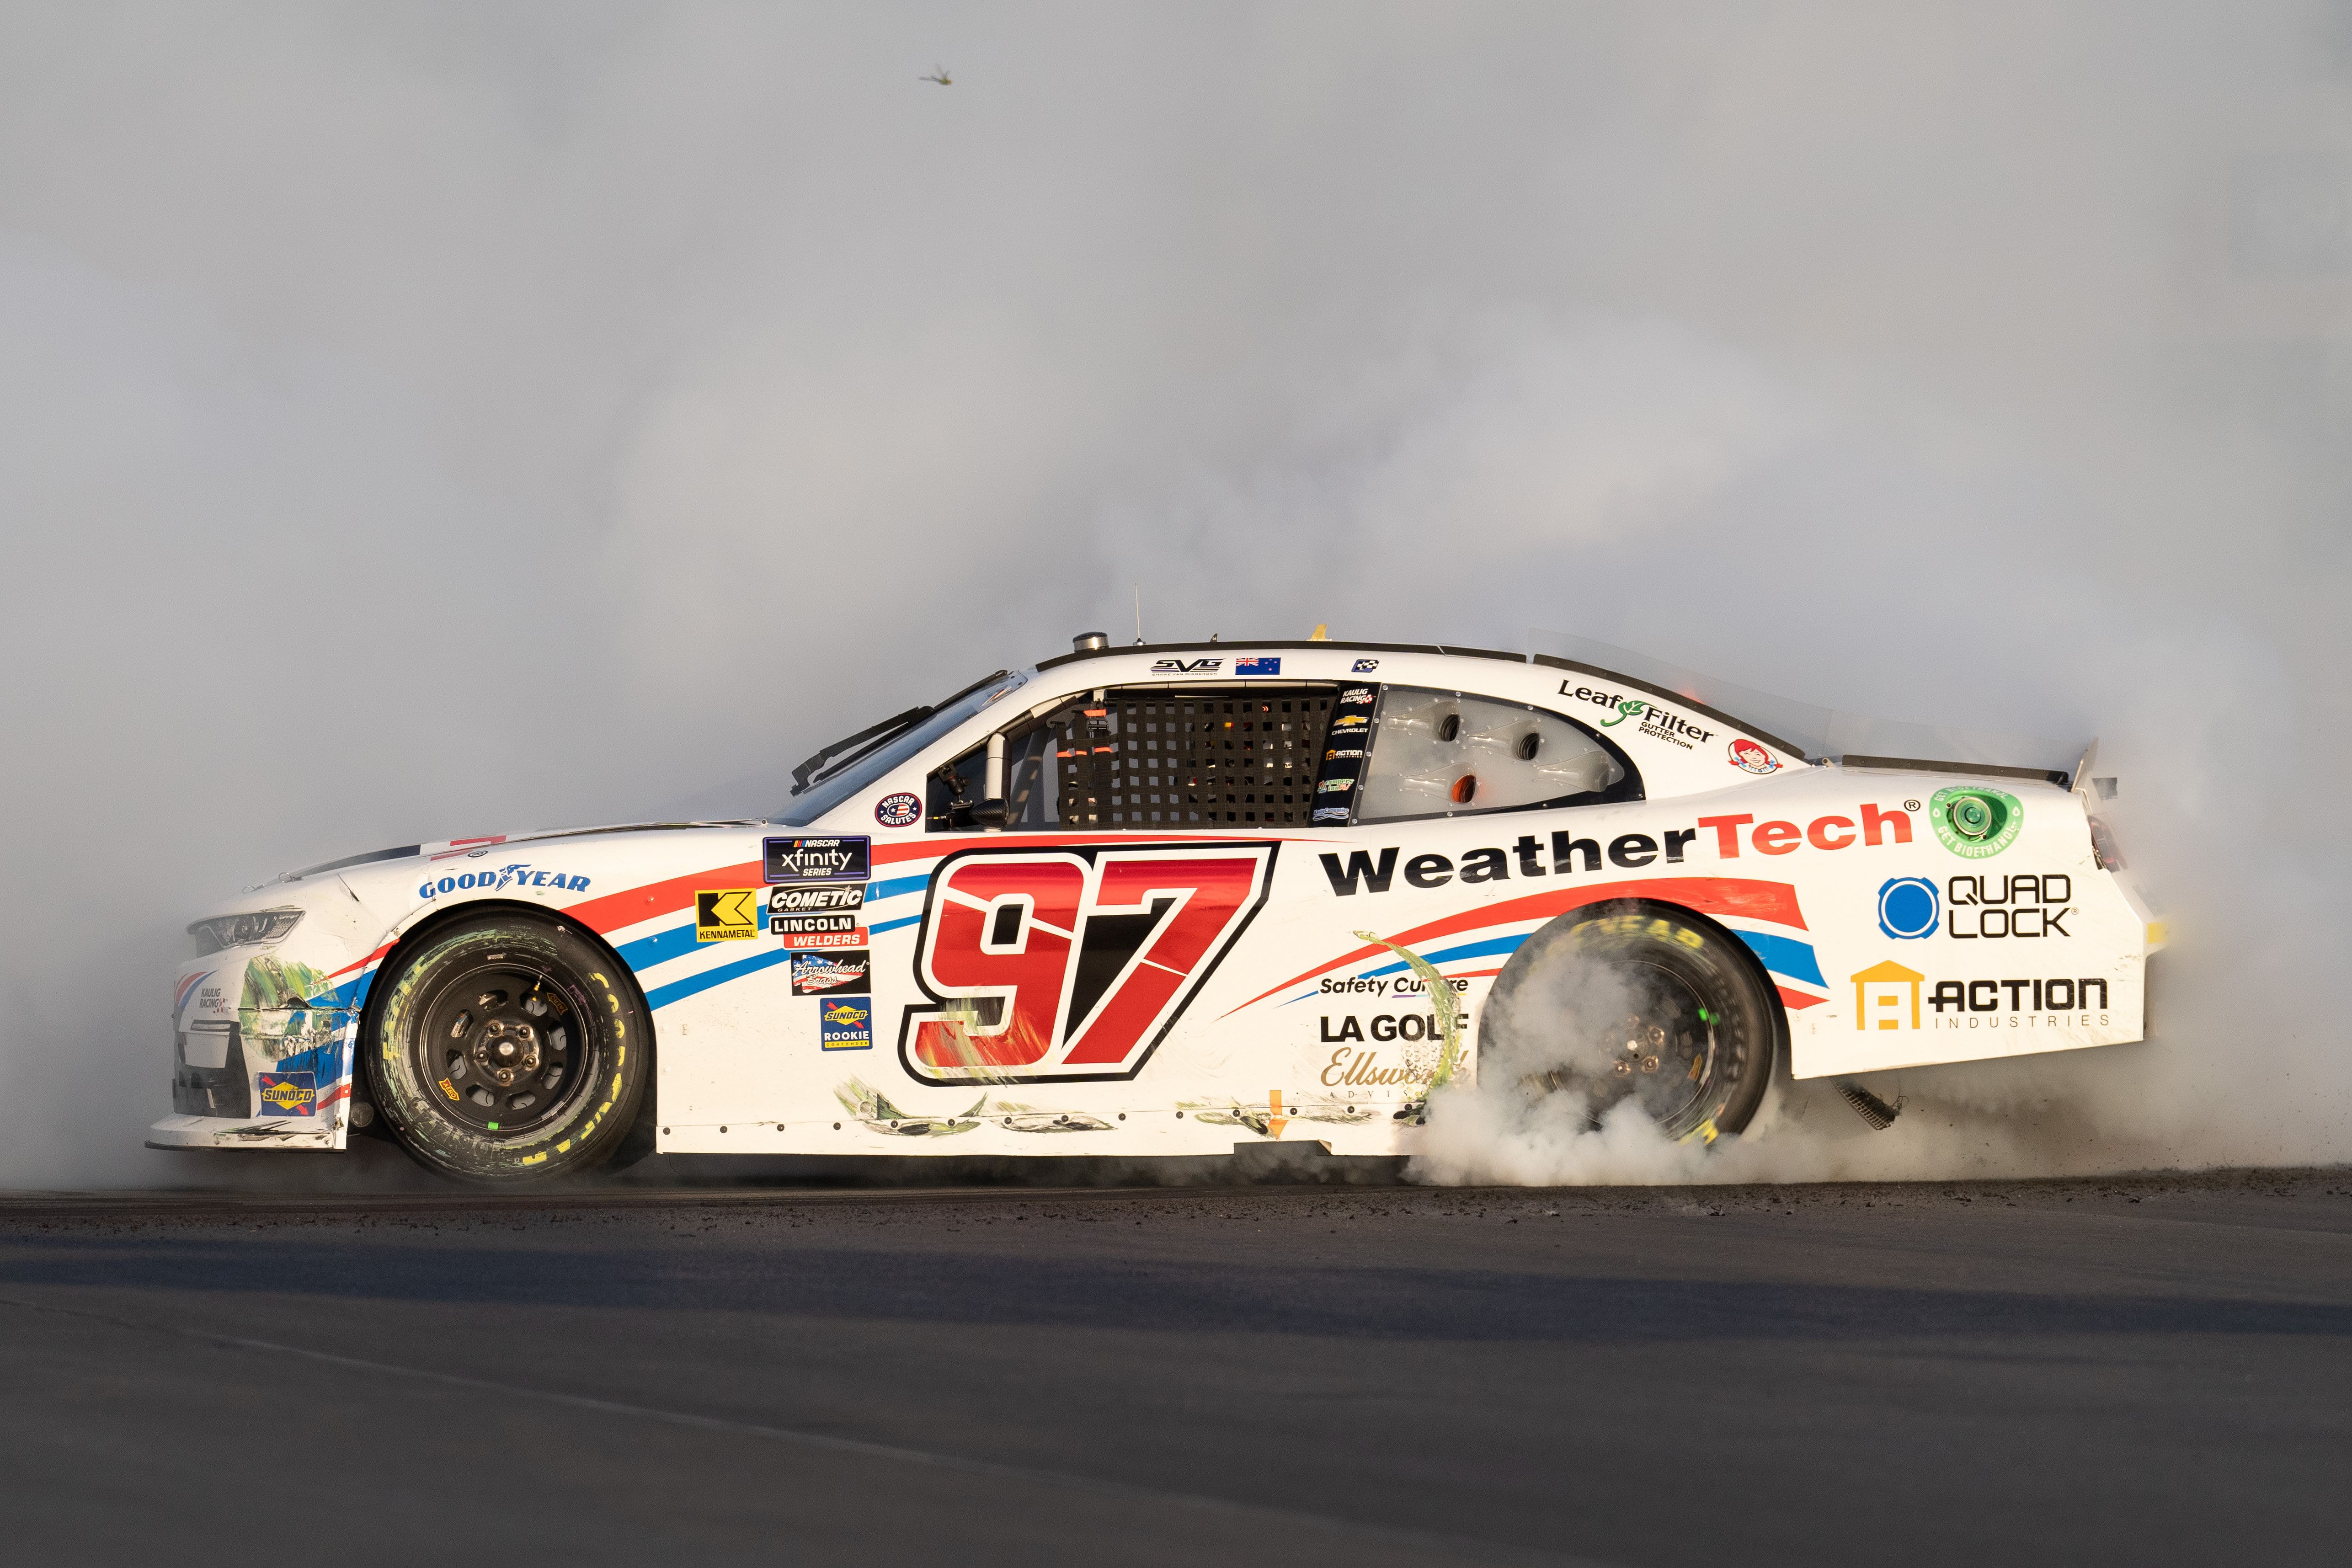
x=731 y=915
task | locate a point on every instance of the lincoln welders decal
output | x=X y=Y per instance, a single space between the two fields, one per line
x=1070 y=963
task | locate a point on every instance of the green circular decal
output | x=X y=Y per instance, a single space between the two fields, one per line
x=1975 y=822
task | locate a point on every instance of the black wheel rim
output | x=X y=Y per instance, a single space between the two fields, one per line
x=1664 y=1053
x=499 y=1046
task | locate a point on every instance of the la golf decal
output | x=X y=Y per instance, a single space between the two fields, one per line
x=1070 y=963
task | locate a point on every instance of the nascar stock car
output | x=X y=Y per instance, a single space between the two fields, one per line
x=1166 y=898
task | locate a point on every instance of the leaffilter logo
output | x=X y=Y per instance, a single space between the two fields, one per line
x=1976 y=822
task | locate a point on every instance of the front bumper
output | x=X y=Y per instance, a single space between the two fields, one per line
x=246 y=1132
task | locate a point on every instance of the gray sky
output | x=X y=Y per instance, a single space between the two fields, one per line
x=432 y=420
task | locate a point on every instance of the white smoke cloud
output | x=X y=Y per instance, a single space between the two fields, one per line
x=457 y=418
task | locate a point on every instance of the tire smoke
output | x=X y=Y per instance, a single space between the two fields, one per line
x=426 y=422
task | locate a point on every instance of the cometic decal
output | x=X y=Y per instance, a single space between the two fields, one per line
x=821 y=899
x=1070 y=963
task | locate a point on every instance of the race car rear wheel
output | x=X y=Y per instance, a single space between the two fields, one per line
x=509 y=1048
x=1635 y=1000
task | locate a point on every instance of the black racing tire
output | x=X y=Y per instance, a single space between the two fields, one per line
x=1635 y=1000
x=509 y=1049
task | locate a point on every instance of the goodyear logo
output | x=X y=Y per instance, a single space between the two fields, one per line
x=731 y=914
x=289 y=1093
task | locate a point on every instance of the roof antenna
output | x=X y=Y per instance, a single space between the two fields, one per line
x=1321 y=633
x=1138 y=615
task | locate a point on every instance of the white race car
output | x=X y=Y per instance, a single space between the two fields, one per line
x=1161 y=900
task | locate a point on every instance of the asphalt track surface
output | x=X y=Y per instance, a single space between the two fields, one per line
x=2135 y=1370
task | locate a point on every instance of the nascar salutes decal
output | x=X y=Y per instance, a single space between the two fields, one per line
x=1070 y=963
x=901 y=810
x=289 y=1093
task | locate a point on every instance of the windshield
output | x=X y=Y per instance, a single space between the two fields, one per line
x=826 y=793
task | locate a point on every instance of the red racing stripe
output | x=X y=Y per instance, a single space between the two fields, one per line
x=615 y=911
x=1774 y=901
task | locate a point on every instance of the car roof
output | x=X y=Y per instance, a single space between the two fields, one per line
x=1449 y=650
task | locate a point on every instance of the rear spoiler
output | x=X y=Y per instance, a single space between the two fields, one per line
x=1980 y=770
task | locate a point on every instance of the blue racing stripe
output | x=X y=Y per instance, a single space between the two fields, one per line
x=679 y=940
x=878 y=929
x=1468 y=950
x=661 y=996
x=658 y=948
x=1785 y=955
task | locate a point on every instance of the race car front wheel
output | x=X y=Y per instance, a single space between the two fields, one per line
x=1641 y=1001
x=509 y=1049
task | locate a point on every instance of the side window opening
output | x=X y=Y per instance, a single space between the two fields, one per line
x=1150 y=757
x=1444 y=754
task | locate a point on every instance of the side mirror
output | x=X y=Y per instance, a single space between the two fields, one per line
x=991 y=813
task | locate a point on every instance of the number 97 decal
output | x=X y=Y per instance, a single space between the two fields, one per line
x=1070 y=963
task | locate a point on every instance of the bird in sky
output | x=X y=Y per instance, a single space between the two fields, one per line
x=939 y=74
